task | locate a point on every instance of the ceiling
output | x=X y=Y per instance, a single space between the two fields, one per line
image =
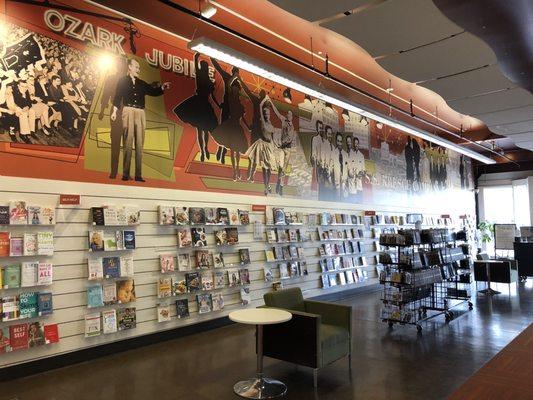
x=458 y=49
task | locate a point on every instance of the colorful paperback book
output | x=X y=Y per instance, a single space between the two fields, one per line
x=279 y=216
x=119 y=236
x=122 y=218
x=111 y=267
x=133 y=215
x=34 y=215
x=129 y=239
x=18 y=213
x=244 y=217
x=207 y=280
x=93 y=326
x=11 y=276
x=218 y=260
x=205 y=303
x=126 y=291
x=164 y=287
x=182 y=308
x=45 y=243
x=221 y=237
x=95 y=296
x=179 y=286
x=302 y=266
x=110 y=216
x=28 y=305
x=284 y=272
x=199 y=237
x=233 y=217
x=196 y=216
x=18 y=337
x=232 y=236
x=4 y=244
x=110 y=241
x=109 y=293
x=51 y=334
x=95 y=268
x=182 y=215
x=184 y=262
x=4 y=215
x=5 y=346
x=244 y=255
x=30 y=244
x=35 y=334
x=272 y=236
x=219 y=279
x=166 y=215
x=45 y=273
x=97 y=214
x=217 y=301
x=126 y=318
x=234 y=278
x=203 y=259
x=282 y=235
x=109 y=321
x=222 y=216
x=269 y=255
x=184 y=237
x=28 y=273
x=163 y=313
x=10 y=308
x=166 y=262
x=45 y=303
x=244 y=275
x=269 y=277
x=96 y=240
x=193 y=282
x=210 y=216
x=126 y=266
x=246 y=297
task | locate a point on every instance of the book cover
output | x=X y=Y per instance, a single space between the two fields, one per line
x=246 y=297
x=199 y=237
x=95 y=268
x=119 y=237
x=349 y=277
x=233 y=217
x=45 y=303
x=18 y=336
x=10 y=308
x=163 y=313
x=342 y=278
x=219 y=281
x=217 y=300
x=284 y=272
x=272 y=237
x=28 y=305
x=300 y=252
x=184 y=237
x=4 y=244
x=244 y=217
x=218 y=260
x=28 y=273
x=5 y=345
x=302 y=265
x=95 y=296
x=122 y=218
x=244 y=256
x=232 y=235
x=34 y=215
x=325 y=281
x=96 y=240
x=97 y=214
x=111 y=267
x=35 y=334
x=166 y=215
x=207 y=280
x=126 y=266
x=179 y=286
x=126 y=318
x=164 y=287
x=203 y=259
x=129 y=240
x=110 y=216
x=279 y=216
x=267 y=271
x=109 y=293
x=133 y=215
x=166 y=262
x=210 y=216
x=30 y=244
x=221 y=237
x=282 y=235
x=269 y=255
x=286 y=253
x=293 y=269
x=244 y=276
x=182 y=215
x=45 y=273
x=4 y=215
x=110 y=241
x=332 y=280
x=192 y=279
x=222 y=216
x=109 y=321
x=45 y=243
x=196 y=216
x=126 y=291
x=184 y=262
x=278 y=253
x=11 y=276
x=234 y=278
x=293 y=236
x=182 y=308
x=18 y=213
x=293 y=252
x=93 y=325
x=205 y=303
x=51 y=334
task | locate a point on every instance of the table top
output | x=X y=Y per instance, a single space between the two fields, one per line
x=260 y=316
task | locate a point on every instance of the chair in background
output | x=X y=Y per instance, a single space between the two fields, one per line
x=318 y=334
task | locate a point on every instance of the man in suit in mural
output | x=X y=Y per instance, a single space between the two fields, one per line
x=130 y=93
x=359 y=170
x=409 y=164
x=416 y=159
x=327 y=152
x=316 y=152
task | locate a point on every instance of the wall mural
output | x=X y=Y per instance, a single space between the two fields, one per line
x=169 y=118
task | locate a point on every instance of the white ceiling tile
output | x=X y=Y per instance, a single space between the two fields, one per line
x=314 y=10
x=507 y=116
x=502 y=100
x=513 y=128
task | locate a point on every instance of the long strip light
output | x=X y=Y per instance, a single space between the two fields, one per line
x=233 y=57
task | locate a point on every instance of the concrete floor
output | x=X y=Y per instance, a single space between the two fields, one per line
x=387 y=364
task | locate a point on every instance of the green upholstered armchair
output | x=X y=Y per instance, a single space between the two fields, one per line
x=318 y=334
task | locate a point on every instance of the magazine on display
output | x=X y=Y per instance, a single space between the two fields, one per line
x=18 y=213
x=205 y=303
x=217 y=301
x=109 y=321
x=244 y=217
x=232 y=236
x=219 y=279
x=163 y=313
x=244 y=256
x=109 y=293
x=203 y=259
x=4 y=215
x=96 y=240
x=164 y=287
x=15 y=247
x=28 y=273
x=95 y=296
x=244 y=276
x=210 y=216
x=207 y=280
x=246 y=297
x=221 y=237
x=192 y=279
x=184 y=237
x=166 y=263
x=45 y=274
x=45 y=303
x=233 y=217
x=11 y=276
x=129 y=240
x=125 y=291
x=199 y=237
x=93 y=325
x=111 y=267
x=233 y=277
x=126 y=318
x=182 y=215
x=218 y=260
x=126 y=266
x=269 y=277
x=182 y=308
x=166 y=215
x=222 y=216
x=197 y=216
x=184 y=262
x=179 y=286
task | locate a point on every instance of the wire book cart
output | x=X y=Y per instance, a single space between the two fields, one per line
x=422 y=277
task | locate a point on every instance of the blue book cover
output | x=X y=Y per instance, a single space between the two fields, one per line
x=111 y=267
x=129 y=240
x=45 y=304
x=28 y=305
x=95 y=296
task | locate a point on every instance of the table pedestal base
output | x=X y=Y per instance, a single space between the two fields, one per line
x=489 y=291
x=260 y=388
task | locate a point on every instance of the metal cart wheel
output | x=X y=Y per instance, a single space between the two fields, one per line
x=470 y=305
x=419 y=328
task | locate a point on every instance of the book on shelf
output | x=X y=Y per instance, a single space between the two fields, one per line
x=5 y=346
x=246 y=297
x=95 y=296
x=182 y=215
x=342 y=278
x=233 y=217
x=34 y=215
x=28 y=273
x=302 y=266
x=244 y=276
x=111 y=267
x=325 y=281
x=282 y=235
x=278 y=216
x=5 y=244
x=110 y=241
x=221 y=237
x=109 y=293
x=293 y=235
x=96 y=240
x=271 y=235
x=269 y=255
x=95 y=268
x=126 y=318
x=232 y=236
x=28 y=305
x=10 y=308
x=122 y=218
x=332 y=279
x=210 y=216
x=184 y=262
x=110 y=216
x=300 y=252
x=222 y=216
x=126 y=266
x=278 y=253
x=35 y=334
x=192 y=280
x=349 y=277
x=166 y=263
x=207 y=280
x=30 y=244
x=93 y=325
x=204 y=259
x=184 y=237
x=267 y=271
x=293 y=269
x=129 y=239
x=45 y=274
x=290 y=218
x=164 y=287
x=45 y=243
x=18 y=337
x=218 y=260
x=219 y=279
x=217 y=301
x=182 y=308
x=11 y=276
x=286 y=253
x=244 y=217
x=197 y=216
x=284 y=271
x=125 y=291
x=166 y=215
x=293 y=252
x=97 y=214
x=119 y=237
x=179 y=286
x=109 y=321
x=205 y=303
x=4 y=215
x=311 y=219
x=45 y=303
x=18 y=213
x=163 y=313
x=16 y=247
x=133 y=215
x=234 y=278
x=51 y=333
x=244 y=256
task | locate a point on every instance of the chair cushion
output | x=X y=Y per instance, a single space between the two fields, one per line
x=289 y=299
x=335 y=342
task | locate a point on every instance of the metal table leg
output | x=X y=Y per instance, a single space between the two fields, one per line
x=488 y=291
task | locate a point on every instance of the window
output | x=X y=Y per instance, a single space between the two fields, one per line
x=498 y=204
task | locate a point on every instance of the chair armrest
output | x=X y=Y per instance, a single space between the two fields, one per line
x=332 y=314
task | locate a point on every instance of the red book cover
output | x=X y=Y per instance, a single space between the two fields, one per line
x=4 y=244
x=51 y=334
x=18 y=336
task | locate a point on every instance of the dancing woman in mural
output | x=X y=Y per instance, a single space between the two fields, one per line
x=256 y=127
x=197 y=110
x=281 y=140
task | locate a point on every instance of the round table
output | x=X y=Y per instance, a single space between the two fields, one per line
x=260 y=387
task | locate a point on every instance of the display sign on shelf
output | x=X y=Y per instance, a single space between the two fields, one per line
x=69 y=199
x=504 y=235
x=370 y=213
x=259 y=207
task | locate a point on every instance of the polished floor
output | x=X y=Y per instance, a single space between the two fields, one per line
x=387 y=364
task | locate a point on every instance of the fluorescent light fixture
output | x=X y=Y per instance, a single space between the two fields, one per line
x=230 y=56
x=208 y=10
